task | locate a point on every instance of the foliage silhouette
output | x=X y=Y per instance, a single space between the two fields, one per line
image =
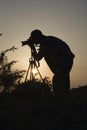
x=34 y=90
x=30 y=107
x=9 y=78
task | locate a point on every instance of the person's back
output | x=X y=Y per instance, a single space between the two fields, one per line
x=55 y=52
x=62 y=48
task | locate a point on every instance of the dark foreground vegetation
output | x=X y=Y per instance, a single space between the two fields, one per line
x=34 y=106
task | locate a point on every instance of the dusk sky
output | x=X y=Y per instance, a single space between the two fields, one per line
x=66 y=19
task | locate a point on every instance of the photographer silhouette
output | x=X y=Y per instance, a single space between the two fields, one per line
x=57 y=55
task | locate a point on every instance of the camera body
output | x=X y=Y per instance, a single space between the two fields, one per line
x=28 y=42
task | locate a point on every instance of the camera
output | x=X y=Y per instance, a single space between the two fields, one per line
x=24 y=43
x=28 y=42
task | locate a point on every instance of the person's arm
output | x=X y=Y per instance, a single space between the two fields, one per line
x=37 y=55
x=40 y=53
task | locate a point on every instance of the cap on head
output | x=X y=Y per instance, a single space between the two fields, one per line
x=36 y=34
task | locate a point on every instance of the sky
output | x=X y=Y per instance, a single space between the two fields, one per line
x=65 y=19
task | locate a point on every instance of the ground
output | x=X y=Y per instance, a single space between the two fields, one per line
x=38 y=110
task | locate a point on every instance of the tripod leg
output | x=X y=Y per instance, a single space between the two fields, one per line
x=31 y=73
x=27 y=73
x=39 y=73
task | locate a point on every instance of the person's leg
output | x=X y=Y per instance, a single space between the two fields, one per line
x=61 y=79
x=61 y=84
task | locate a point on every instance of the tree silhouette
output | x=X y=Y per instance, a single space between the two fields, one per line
x=9 y=78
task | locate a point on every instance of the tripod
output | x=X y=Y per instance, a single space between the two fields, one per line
x=32 y=65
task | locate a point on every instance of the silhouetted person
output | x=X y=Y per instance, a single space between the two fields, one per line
x=57 y=55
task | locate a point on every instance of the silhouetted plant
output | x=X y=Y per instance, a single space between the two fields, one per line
x=9 y=78
x=34 y=90
x=3 y=57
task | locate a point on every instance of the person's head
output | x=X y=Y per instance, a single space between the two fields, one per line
x=36 y=35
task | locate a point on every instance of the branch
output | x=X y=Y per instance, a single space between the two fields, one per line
x=11 y=49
